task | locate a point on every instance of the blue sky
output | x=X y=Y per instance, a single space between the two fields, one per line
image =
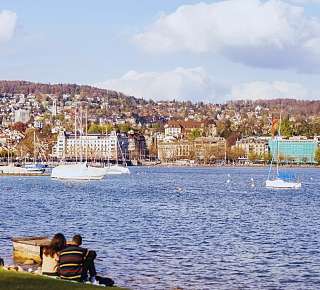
x=208 y=50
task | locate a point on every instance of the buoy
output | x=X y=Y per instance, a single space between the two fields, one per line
x=228 y=181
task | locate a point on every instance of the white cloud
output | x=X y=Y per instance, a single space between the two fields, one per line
x=270 y=90
x=181 y=83
x=196 y=84
x=7 y=25
x=258 y=33
x=303 y=2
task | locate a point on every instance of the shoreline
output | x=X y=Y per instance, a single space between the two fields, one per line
x=168 y=165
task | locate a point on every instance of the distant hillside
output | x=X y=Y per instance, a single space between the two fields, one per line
x=287 y=106
x=301 y=108
x=25 y=87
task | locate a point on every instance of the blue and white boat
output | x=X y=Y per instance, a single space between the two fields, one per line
x=277 y=179
x=35 y=168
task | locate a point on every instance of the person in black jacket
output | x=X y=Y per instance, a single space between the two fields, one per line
x=76 y=262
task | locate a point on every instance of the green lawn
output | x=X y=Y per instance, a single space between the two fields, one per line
x=10 y=280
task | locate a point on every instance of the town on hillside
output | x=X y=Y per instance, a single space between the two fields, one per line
x=37 y=123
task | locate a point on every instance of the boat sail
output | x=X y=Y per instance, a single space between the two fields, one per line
x=277 y=179
x=81 y=170
x=117 y=169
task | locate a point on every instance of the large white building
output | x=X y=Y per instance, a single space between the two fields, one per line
x=22 y=115
x=253 y=145
x=95 y=146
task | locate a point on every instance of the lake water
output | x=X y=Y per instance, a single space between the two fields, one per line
x=161 y=228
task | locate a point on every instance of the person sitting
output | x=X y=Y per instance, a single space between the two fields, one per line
x=75 y=262
x=50 y=255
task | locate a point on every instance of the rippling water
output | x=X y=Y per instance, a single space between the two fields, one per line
x=161 y=228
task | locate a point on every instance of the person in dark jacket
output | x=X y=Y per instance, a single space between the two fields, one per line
x=76 y=262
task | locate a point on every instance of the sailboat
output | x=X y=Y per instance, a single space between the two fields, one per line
x=117 y=169
x=277 y=179
x=81 y=170
x=35 y=167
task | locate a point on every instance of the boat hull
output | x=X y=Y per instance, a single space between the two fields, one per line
x=29 y=248
x=116 y=170
x=282 y=184
x=77 y=172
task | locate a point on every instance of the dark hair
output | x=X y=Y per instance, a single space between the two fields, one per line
x=77 y=239
x=57 y=244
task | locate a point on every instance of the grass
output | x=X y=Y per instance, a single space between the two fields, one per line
x=11 y=280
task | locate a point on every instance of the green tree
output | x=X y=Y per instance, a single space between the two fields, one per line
x=287 y=128
x=94 y=128
x=224 y=128
x=195 y=133
x=252 y=156
x=124 y=128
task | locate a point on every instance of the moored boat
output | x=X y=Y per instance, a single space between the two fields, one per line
x=35 y=167
x=280 y=180
x=116 y=169
x=282 y=184
x=78 y=171
x=29 y=248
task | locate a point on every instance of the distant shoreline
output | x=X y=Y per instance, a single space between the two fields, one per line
x=168 y=165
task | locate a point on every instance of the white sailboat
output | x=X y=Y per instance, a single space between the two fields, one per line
x=117 y=169
x=81 y=170
x=78 y=171
x=277 y=179
x=35 y=167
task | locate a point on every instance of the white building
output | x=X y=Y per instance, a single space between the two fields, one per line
x=253 y=145
x=22 y=116
x=173 y=129
x=95 y=146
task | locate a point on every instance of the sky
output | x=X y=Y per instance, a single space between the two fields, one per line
x=209 y=51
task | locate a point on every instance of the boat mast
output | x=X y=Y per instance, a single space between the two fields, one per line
x=8 y=152
x=81 y=135
x=34 y=147
x=86 y=140
x=117 y=147
x=279 y=136
x=75 y=135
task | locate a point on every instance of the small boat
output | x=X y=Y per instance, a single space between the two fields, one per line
x=116 y=169
x=283 y=182
x=35 y=168
x=14 y=170
x=280 y=180
x=29 y=248
x=78 y=171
